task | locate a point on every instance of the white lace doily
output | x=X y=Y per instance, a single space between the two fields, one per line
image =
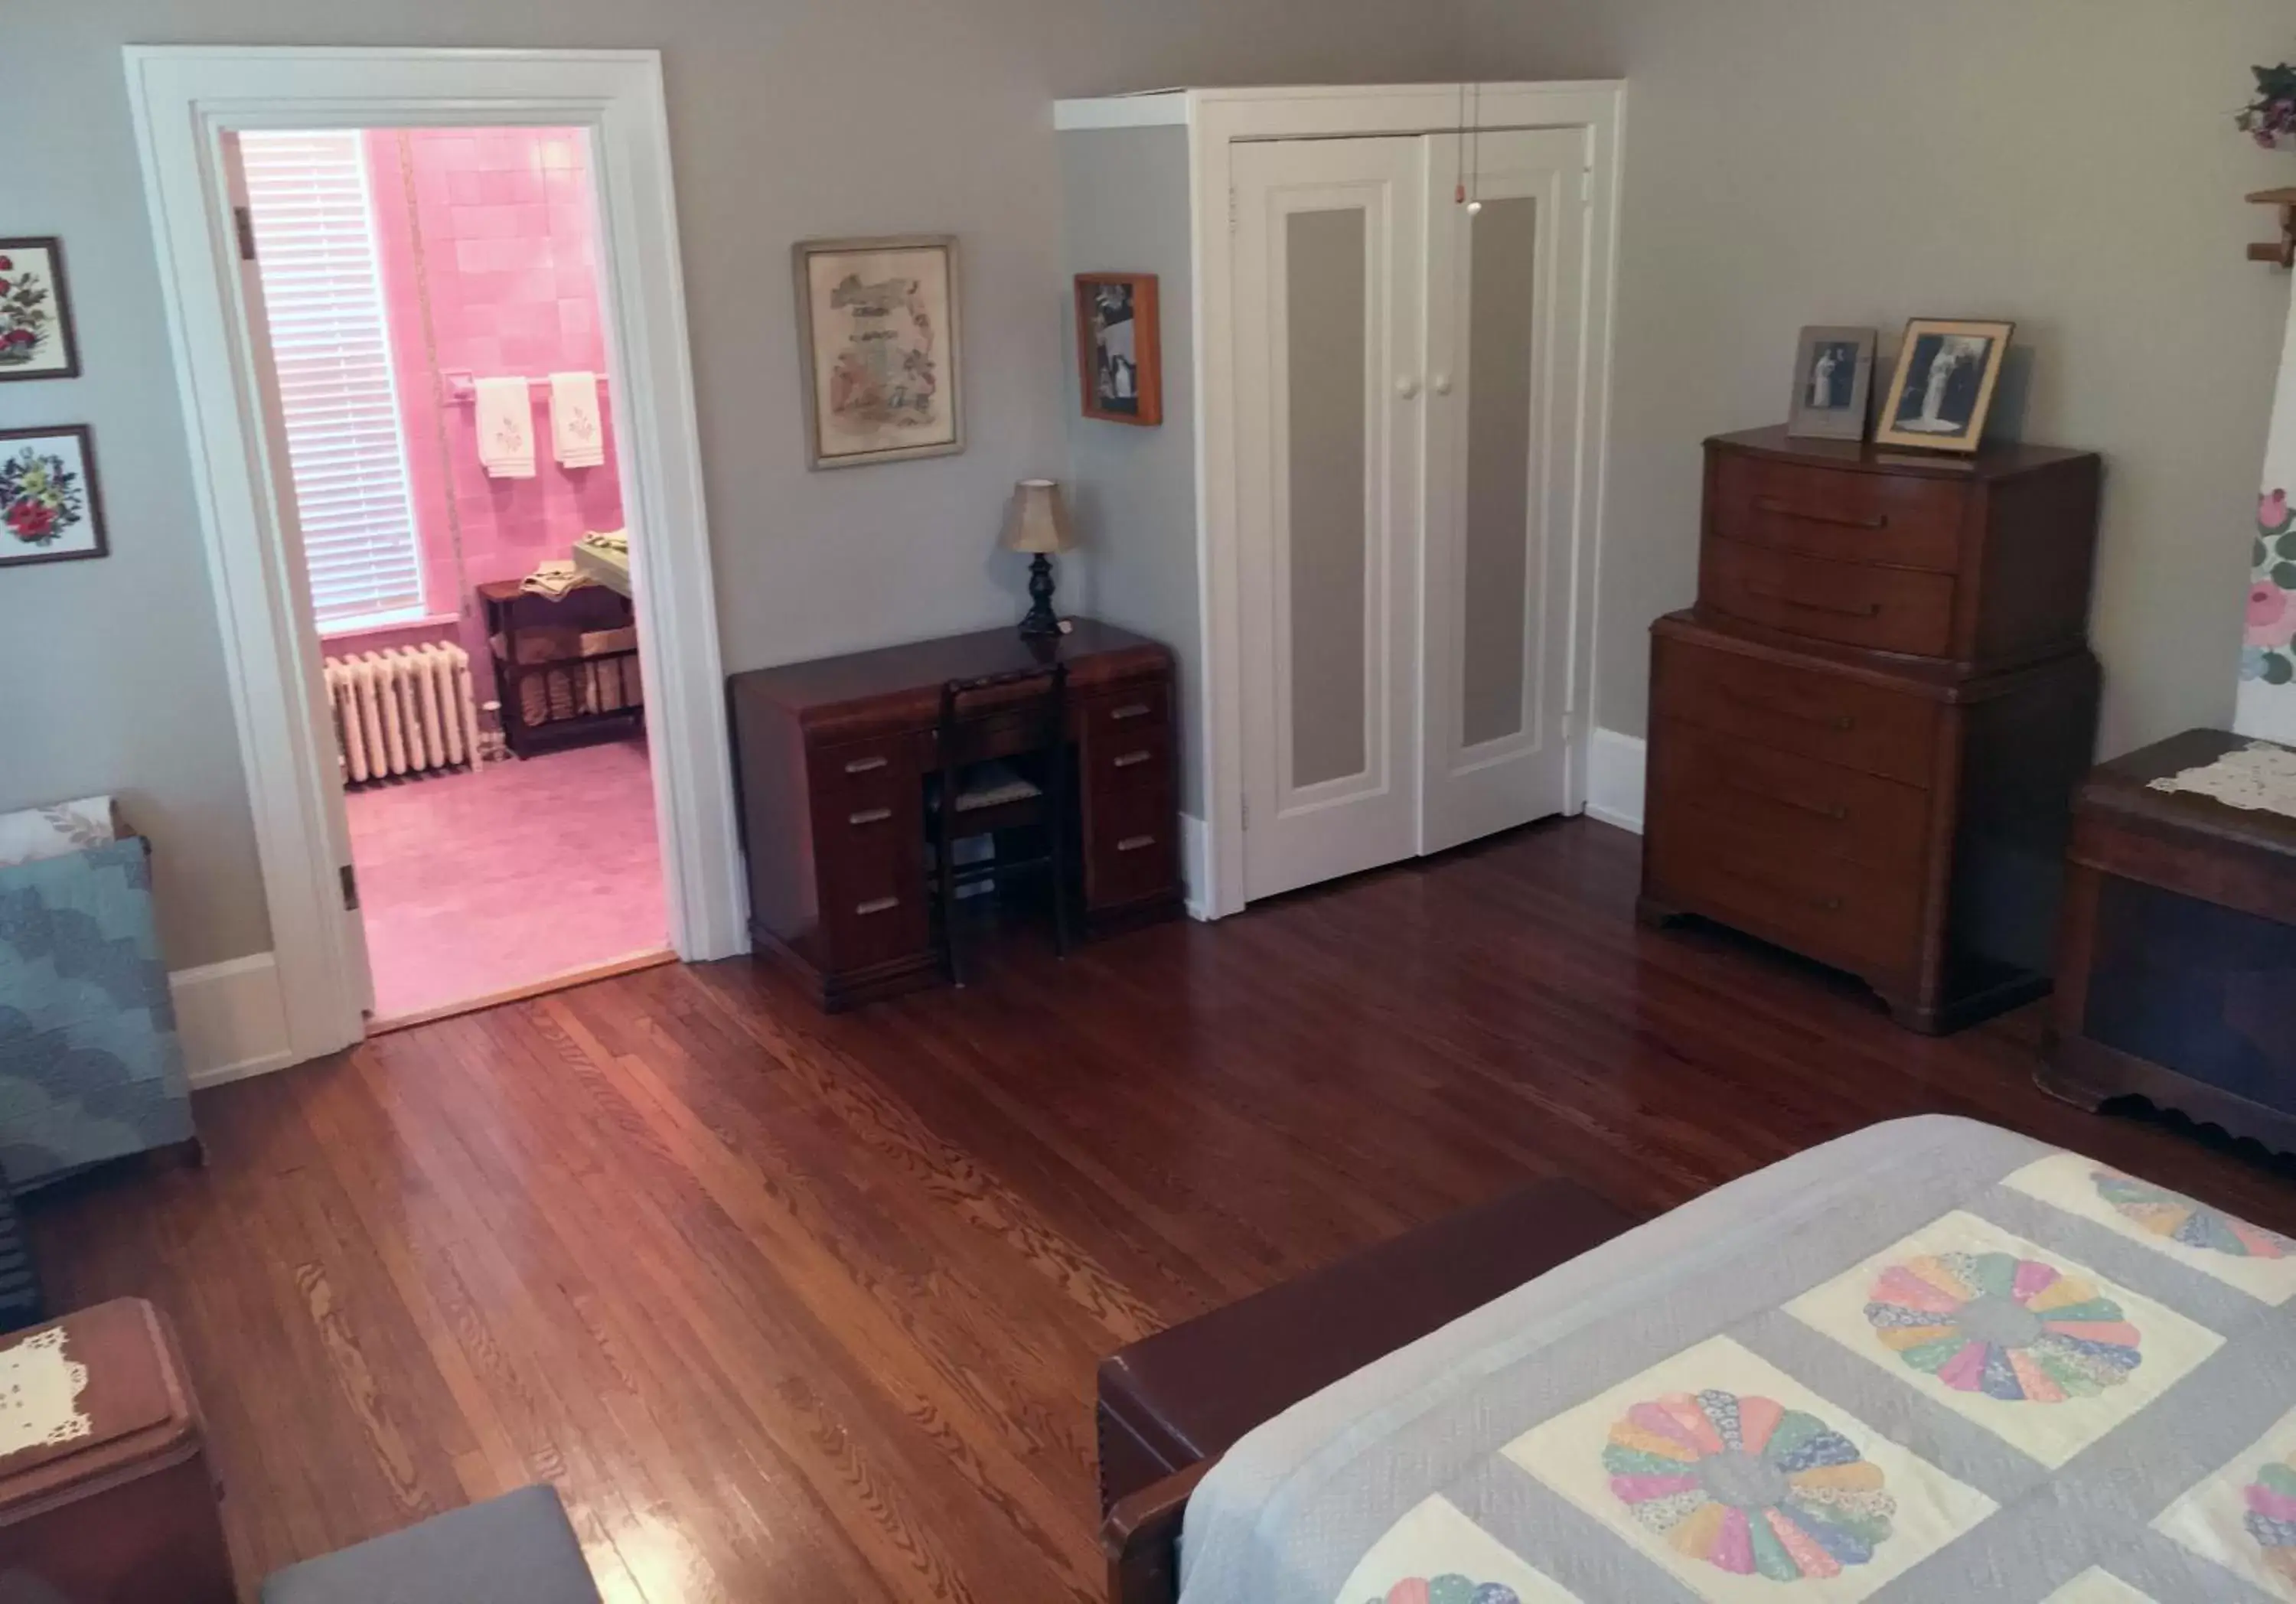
x=39 y=1393
x=2259 y=777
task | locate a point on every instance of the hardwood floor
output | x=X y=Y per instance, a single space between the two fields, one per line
x=798 y=1307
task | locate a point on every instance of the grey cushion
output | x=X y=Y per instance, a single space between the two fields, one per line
x=518 y=1549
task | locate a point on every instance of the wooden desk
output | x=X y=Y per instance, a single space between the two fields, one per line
x=831 y=757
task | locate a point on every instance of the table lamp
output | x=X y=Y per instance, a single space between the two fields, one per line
x=1039 y=523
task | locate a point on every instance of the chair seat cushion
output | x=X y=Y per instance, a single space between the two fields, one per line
x=518 y=1549
x=992 y=785
x=1191 y=1392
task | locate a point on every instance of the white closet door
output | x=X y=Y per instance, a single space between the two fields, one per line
x=1506 y=337
x=1330 y=242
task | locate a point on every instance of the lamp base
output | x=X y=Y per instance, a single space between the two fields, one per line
x=1041 y=619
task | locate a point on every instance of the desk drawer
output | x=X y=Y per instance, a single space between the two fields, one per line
x=869 y=838
x=1811 y=711
x=1873 y=517
x=1765 y=882
x=1887 y=609
x=1127 y=710
x=1821 y=808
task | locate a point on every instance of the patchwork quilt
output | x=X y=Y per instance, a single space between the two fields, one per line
x=1932 y=1361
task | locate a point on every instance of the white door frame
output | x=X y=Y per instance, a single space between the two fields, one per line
x=184 y=99
x=1215 y=119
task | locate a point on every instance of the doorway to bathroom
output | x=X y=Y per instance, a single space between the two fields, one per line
x=435 y=360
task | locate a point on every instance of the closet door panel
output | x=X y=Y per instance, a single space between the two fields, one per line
x=1330 y=299
x=1506 y=345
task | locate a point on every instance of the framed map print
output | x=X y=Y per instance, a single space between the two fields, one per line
x=877 y=331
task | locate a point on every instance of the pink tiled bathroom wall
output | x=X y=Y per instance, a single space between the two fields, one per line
x=489 y=248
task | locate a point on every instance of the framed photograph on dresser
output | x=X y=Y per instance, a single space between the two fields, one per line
x=1833 y=383
x=1943 y=388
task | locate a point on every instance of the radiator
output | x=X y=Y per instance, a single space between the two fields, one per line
x=407 y=710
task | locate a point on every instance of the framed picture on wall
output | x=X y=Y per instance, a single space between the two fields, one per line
x=1120 y=348
x=49 y=510
x=1833 y=383
x=878 y=337
x=1946 y=373
x=36 y=327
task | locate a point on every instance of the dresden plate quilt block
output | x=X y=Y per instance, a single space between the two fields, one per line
x=1436 y=1555
x=1735 y=1478
x=2258 y=1262
x=2039 y=1350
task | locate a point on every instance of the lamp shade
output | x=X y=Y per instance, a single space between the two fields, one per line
x=1038 y=519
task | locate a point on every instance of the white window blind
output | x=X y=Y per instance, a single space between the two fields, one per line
x=315 y=247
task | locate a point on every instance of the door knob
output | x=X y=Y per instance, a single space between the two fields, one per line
x=1442 y=384
x=1407 y=388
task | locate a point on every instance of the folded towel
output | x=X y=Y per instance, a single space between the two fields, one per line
x=553 y=578
x=505 y=425
x=574 y=434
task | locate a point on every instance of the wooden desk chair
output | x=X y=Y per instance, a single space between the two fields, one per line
x=978 y=793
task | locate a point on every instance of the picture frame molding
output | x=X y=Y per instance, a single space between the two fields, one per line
x=2002 y=331
x=85 y=436
x=60 y=293
x=1858 y=414
x=800 y=254
x=1147 y=348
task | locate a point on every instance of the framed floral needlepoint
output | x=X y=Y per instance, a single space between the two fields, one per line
x=36 y=327
x=49 y=511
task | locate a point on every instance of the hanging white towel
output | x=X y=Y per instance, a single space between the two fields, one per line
x=575 y=436
x=505 y=424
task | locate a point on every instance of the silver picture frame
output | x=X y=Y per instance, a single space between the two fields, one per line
x=1833 y=383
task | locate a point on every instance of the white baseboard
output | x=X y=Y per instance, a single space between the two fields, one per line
x=1195 y=864
x=231 y=1019
x=1614 y=780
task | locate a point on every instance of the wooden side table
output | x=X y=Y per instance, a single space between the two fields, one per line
x=123 y=1510
x=2177 y=955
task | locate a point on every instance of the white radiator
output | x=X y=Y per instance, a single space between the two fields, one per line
x=407 y=710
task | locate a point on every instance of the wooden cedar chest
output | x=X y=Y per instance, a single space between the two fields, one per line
x=124 y=1512
x=2177 y=965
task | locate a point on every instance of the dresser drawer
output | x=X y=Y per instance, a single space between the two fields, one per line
x=1876 y=518
x=1131 y=845
x=1887 y=609
x=1763 y=882
x=1821 y=808
x=1811 y=711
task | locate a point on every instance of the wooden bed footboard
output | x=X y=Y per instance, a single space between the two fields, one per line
x=1141 y=1537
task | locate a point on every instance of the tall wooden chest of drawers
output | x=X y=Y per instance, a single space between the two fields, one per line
x=1864 y=739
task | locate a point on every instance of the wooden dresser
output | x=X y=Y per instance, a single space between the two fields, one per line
x=830 y=759
x=1864 y=738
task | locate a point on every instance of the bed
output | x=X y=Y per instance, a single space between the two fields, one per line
x=1929 y=1361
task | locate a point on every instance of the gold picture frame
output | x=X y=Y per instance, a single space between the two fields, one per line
x=1942 y=392
x=879 y=344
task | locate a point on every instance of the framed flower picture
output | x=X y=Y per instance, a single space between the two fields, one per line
x=36 y=326
x=49 y=510
x=877 y=333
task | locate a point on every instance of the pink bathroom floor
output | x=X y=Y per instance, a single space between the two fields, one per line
x=472 y=885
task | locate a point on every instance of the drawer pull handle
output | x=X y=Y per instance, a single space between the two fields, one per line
x=1135 y=843
x=862 y=765
x=1826 y=904
x=869 y=815
x=1126 y=759
x=1130 y=710
x=1842 y=722
x=1778 y=508
x=1823 y=810
x=1867 y=610
x=883 y=904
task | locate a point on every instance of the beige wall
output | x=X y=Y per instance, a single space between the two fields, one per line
x=788 y=119
x=2067 y=163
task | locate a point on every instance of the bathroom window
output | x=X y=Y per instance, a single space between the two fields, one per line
x=313 y=219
